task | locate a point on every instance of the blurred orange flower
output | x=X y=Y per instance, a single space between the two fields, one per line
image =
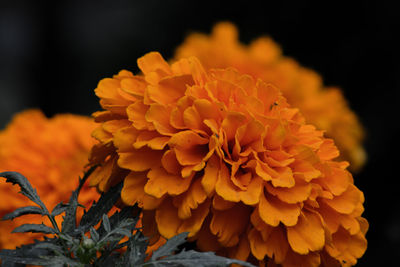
x=52 y=154
x=325 y=108
x=224 y=157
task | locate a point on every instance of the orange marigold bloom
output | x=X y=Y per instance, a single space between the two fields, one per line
x=325 y=108
x=224 y=157
x=52 y=154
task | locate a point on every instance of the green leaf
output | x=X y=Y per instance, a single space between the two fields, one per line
x=94 y=235
x=23 y=211
x=48 y=246
x=136 y=251
x=103 y=206
x=170 y=246
x=34 y=228
x=69 y=223
x=26 y=188
x=130 y=212
x=59 y=208
x=192 y=258
x=122 y=232
x=106 y=223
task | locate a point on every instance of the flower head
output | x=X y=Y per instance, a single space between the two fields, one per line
x=52 y=154
x=224 y=157
x=324 y=107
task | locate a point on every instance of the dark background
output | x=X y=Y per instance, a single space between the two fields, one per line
x=52 y=54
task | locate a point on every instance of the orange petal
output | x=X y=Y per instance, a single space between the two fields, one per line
x=152 y=139
x=149 y=225
x=347 y=248
x=275 y=246
x=210 y=176
x=189 y=147
x=251 y=132
x=136 y=113
x=346 y=202
x=124 y=139
x=336 y=180
x=152 y=62
x=180 y=67
x=221 y=204
x=108 y=89
x=176 y=118
x=258 y=246
x=112 y=126
x=283 y=178
x=106 y=115
x=170 y=163
x=207 y=109
x=293 y=259
x=190 y=200
x=169 y=89
x=198 y=73
x=227 y=227
x=276 y=135
x=133 y=192
x=224 y=186
x=170 y=225
x=167 y=219
x=241 y=251
x=194 y=222
x=134 y=86
x=160 y=183
x=298 y=193
x=192 y=119
x=139 y=159
x=307 y=235
x=328 y=150
x=272 y=211
x=102 y=135
x=159 y=115
x=231 y=123
x=251 y=195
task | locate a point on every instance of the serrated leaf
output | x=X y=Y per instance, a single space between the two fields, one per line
x=59 y=208
x=22 y=259
x=60 y=260
x=122 y=231
x=192 y=258
x=24 y=255
x=23 y=211
x=26 y=188
x=48 y=246
x=121 y=216
x=94 y=235
x=170 y=246
x=106 y=223
x=103 y=206
x=136 y=251
x=34 y=228
x=69 y=222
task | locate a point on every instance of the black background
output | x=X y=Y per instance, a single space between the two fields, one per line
x=52 y=54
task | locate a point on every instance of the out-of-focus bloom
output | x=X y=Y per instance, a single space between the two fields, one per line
x=325 y=108
x=52 y=154
x=224 y=157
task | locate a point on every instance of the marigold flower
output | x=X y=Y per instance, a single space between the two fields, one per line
x=325 y=108
x=224 y=157
x=52 y=154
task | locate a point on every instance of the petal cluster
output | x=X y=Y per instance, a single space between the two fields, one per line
x=52 y=154
x=324 y=107
x=224 y=157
